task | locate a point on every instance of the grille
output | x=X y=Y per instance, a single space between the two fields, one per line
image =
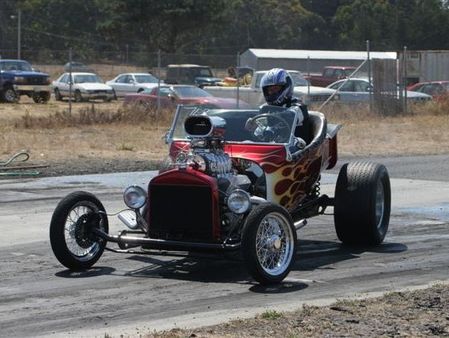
x=36 y=80
x=181 y=212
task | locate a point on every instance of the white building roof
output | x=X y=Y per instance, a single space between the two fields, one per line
x=319 y=54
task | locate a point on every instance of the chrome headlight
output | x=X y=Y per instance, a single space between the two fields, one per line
x=239 y=201
x=134 y=197
x=19 y=79
x=199 y=163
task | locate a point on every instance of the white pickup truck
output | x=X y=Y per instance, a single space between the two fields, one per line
x=254 y=96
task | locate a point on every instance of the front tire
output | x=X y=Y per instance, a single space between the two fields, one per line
x=78 y=96
x=42 y=97
x=71 y=237
x=58 y=96
x=269 y=243
x=9 y=95
x=362 y=203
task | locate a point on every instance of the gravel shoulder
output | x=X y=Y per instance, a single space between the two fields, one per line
x=418 y=313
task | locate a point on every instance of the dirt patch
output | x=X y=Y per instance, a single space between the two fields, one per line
x=421 y=313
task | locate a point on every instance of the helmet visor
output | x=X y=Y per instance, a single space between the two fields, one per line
x=272 y=93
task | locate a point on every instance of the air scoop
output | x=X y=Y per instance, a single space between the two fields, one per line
x=205 y=126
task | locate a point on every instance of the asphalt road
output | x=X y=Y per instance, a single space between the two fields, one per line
x=133 y=294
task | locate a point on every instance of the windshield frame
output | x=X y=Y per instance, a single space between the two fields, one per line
x=177 y=132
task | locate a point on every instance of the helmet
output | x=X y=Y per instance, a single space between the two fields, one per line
x=283 y=91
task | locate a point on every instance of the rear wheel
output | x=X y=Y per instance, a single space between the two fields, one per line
x=362 y=203
x=72 y=239
x=42 y=97
x=269 y=243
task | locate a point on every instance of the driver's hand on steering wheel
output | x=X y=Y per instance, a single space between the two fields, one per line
x=251 y=125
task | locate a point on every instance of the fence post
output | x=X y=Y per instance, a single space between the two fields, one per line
x=159 y=80
x=70 y=81
x=404 y=81
x=369 y=77
x=238 y=84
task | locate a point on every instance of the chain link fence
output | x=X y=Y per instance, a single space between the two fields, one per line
x=385 y=92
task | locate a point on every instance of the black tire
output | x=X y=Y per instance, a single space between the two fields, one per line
x=72 y=241
x=78 y=96
x=58 y=96
x=278 y=242
x=114 y=94
x=362 y=203
x=9 y=95
x=42 y=97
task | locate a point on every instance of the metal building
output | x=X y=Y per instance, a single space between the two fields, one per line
x=306 y=61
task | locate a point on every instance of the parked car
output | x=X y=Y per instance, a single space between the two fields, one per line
x=437 y=89
x=85 y=86
x=191 y=74
x=18 y=78
x=231 y=190
x=330 y=74
x=132 y=83
x=358 y=90
x=253 y=95
x=171 y=96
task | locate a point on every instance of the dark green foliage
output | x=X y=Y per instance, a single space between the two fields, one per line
x=90 y=27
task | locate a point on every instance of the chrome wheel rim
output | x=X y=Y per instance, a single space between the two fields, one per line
x=380 y=204
x=82 y=248
x=274 y=244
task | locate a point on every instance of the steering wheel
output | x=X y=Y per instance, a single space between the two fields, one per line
x=267 y=131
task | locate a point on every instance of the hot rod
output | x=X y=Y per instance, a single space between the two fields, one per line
x=230 y=188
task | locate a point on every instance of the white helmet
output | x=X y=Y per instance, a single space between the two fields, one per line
x=274 y=95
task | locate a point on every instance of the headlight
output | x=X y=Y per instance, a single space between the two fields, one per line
x=239 y=201
x=134 y=197
x=19 y=79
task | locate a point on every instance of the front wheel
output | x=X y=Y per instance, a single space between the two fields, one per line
x=9 y=95
x=72 y=239
x=78 y=96
x=362 y=203
x=269 y=243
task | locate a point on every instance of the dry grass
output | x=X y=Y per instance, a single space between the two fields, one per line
x=111 y=131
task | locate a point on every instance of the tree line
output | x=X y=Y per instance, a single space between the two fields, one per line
x=223 y=26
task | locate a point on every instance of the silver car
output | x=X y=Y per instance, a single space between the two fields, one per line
x=358 y=90
x=132 y=83
x=85 y=86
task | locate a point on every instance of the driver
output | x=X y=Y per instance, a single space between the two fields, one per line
x=277 y=87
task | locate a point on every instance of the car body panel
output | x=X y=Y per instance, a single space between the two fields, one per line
x=88 y=84
x=127 y=83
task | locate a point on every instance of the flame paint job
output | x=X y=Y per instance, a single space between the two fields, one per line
x=288 y=182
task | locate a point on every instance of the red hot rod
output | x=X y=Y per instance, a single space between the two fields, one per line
x=232 y=188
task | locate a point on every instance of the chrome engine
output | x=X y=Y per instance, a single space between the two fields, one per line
x=206 y=146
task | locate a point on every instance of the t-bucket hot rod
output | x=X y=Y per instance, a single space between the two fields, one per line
x=230 y=188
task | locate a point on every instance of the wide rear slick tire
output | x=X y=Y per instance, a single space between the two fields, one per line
x=362 y=203
x=269 y=243
x=71 y=237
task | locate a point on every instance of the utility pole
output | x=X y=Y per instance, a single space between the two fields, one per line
x=19 y=30
x=19 y=33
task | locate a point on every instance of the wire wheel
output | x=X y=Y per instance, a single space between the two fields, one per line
x=72 y=235
x=269 y=243
x=77 y=234
x=274 y=244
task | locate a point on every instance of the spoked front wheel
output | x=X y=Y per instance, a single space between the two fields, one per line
x=72 y=238
x=269 y=243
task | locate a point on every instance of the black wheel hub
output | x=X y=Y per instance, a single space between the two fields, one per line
x=83 y=230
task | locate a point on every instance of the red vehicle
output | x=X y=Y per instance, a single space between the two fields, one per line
x=330 y=74
x=437 y=89
x=229 y=188
x=171 y=96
